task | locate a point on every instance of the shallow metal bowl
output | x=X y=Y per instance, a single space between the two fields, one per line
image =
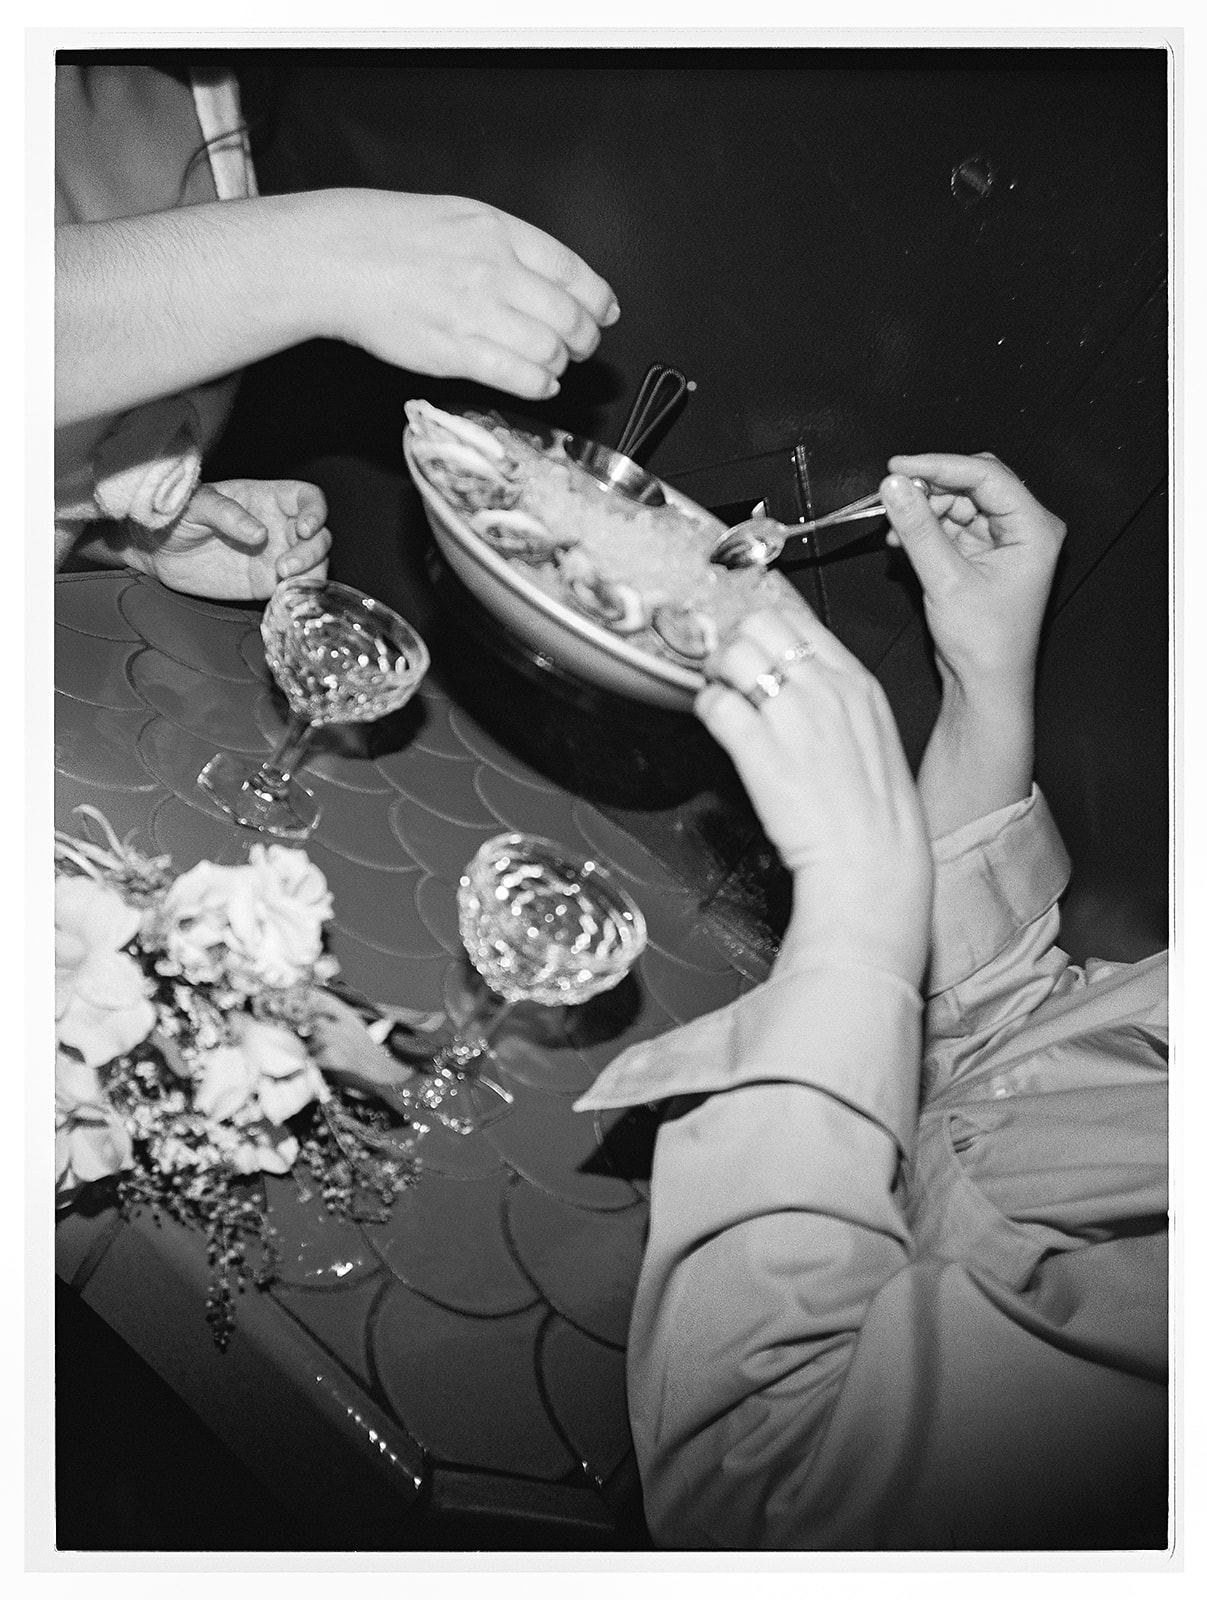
x=614 y=471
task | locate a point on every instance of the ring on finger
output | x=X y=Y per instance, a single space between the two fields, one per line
x=801 y=650
x=768 y=684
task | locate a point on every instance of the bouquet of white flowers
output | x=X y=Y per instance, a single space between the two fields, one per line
x=199 y=1046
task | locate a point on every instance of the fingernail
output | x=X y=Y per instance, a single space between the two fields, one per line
x=551 y=388
x=897 y=491
x=612 y=314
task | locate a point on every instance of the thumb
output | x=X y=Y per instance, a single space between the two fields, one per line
x=931 y=554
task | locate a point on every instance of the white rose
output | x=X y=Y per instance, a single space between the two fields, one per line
x=91 y=1141
x=286 y=1077
x=195 y=919
x=227 y=1082
x=102 y=1004
x=253 y=926
x=290 y=906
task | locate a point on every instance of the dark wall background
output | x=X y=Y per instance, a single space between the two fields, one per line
x=855 y=252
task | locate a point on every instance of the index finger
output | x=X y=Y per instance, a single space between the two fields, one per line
x=555 y=261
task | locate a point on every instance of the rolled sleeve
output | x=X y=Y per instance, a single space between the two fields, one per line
x=994 y=956
x=851 y=1032
x=993 y=878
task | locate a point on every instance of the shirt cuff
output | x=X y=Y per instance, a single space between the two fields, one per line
x=993 y=877
x=852 y=1032
x=148 y=466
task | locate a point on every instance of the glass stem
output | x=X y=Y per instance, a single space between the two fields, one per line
x=476 y=1031
x=273 y=777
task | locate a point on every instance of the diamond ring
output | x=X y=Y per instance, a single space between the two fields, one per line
x=768 y=684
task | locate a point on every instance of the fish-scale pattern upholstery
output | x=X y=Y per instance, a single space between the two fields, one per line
x=482 y=1328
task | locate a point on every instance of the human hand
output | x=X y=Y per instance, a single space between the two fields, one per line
x=451 y=287
x=985 y=552
x=823 y=765
x=238 y=539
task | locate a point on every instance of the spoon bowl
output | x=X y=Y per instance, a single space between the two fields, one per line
x=760 y=540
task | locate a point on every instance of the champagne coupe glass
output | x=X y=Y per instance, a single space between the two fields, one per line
x=339 y=656
x=539 y=922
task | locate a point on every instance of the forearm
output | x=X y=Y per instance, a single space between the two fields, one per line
x=773 y=1228
x=980 y=756
x=774 y=1224
x=148 y=306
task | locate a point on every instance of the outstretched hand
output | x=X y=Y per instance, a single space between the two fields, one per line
x=238 y=539
x=455 y=288
x=823 y=765
x=984 y=551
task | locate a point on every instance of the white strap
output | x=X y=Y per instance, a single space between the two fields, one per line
x=221 y=119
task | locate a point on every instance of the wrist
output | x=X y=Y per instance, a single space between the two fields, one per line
x=980 y=754
x=885 y=927
x=986 y=686
x=312 y=263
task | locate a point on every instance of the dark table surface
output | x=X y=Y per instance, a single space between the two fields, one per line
x=465 y=1360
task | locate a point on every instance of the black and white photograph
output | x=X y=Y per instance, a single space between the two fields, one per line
x=612 y=770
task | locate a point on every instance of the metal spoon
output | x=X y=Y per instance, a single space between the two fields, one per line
x=760 y=540
x=661 y=390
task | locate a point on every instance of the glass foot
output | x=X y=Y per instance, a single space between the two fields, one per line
x=237 y=787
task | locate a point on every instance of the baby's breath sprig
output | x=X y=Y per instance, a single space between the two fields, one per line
x=226 y=1083
x=357 y=1168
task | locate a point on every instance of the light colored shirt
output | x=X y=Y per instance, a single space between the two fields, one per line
x=865 y=1325
x=124 y=142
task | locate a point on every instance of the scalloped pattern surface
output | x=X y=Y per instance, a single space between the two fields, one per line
x=488 y=1317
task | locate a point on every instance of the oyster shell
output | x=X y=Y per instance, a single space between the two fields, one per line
x=513 y=532
x=429 y=422
x=618 y=606
x=687 y=631
x=463 y=475
x=465 y=462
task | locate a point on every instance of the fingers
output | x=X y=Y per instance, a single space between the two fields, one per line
x=987 y=500
x=500 y=367
x=769 y=654
x=931 y=554
x=561 y=267
x=311 y=513
x=759 y=642
x=308 y=556
x=529 y=338
x=811 y=734
x=555 y=310
x=765 y=635
x=992 y=485
x=227 y=518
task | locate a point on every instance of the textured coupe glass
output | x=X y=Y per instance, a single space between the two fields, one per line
x=339 y=656
x=541 y=923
